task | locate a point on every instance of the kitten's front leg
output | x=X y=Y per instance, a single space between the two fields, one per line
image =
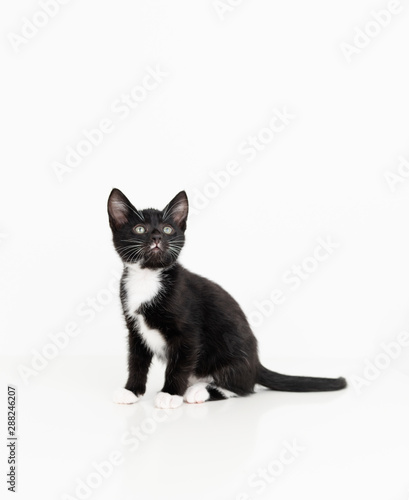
x=181 y=363
x=139 y=360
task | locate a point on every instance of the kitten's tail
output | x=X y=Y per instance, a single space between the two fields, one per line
x=291 y=383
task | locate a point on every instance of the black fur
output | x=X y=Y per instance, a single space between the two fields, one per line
x=206 y=332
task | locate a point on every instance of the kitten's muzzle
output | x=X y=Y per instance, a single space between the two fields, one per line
x=155 y=246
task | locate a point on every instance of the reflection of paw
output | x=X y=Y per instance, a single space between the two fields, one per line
x=165 y=400
x=197 y=393
x=124 y=397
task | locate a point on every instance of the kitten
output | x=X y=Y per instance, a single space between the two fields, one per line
x=189 y=322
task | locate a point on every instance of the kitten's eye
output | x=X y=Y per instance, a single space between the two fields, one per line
x=139 y=229
x=168 y=230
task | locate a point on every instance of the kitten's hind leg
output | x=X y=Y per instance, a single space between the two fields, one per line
x=205 y=391
x=197 y=393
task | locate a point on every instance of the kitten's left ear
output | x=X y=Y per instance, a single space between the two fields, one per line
x=178 y=210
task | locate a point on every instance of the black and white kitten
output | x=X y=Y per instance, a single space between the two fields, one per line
x=189 y=322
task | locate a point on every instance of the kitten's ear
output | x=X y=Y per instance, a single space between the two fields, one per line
x=119 y=208
x=178 y=209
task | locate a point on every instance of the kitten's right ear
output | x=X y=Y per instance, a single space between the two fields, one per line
x=119 y=208
x=178 y=209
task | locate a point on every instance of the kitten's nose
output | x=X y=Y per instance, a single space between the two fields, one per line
x=156 y=238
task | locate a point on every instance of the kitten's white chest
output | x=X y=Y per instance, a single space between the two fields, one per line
x=141 y=286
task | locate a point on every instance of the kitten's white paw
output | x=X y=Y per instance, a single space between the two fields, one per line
x=124 y=397
x=197 y=393
x=165 y=400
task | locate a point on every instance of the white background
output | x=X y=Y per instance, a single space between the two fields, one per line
x=323 y=176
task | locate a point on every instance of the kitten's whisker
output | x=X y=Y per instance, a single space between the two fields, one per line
x=127 y=247
x=136 y=254
x=131 y=252
x=136 y=242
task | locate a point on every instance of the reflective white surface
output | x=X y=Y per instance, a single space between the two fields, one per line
x=346 y=445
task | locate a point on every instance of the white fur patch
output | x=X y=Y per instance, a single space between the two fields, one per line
x=194 y=380
x=227 y=394
x=196 y=393
x=165 y=400
x=152 y=338
x=141 y=286
x=124 y=397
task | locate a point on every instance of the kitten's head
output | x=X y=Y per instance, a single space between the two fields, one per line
x=153 y=238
